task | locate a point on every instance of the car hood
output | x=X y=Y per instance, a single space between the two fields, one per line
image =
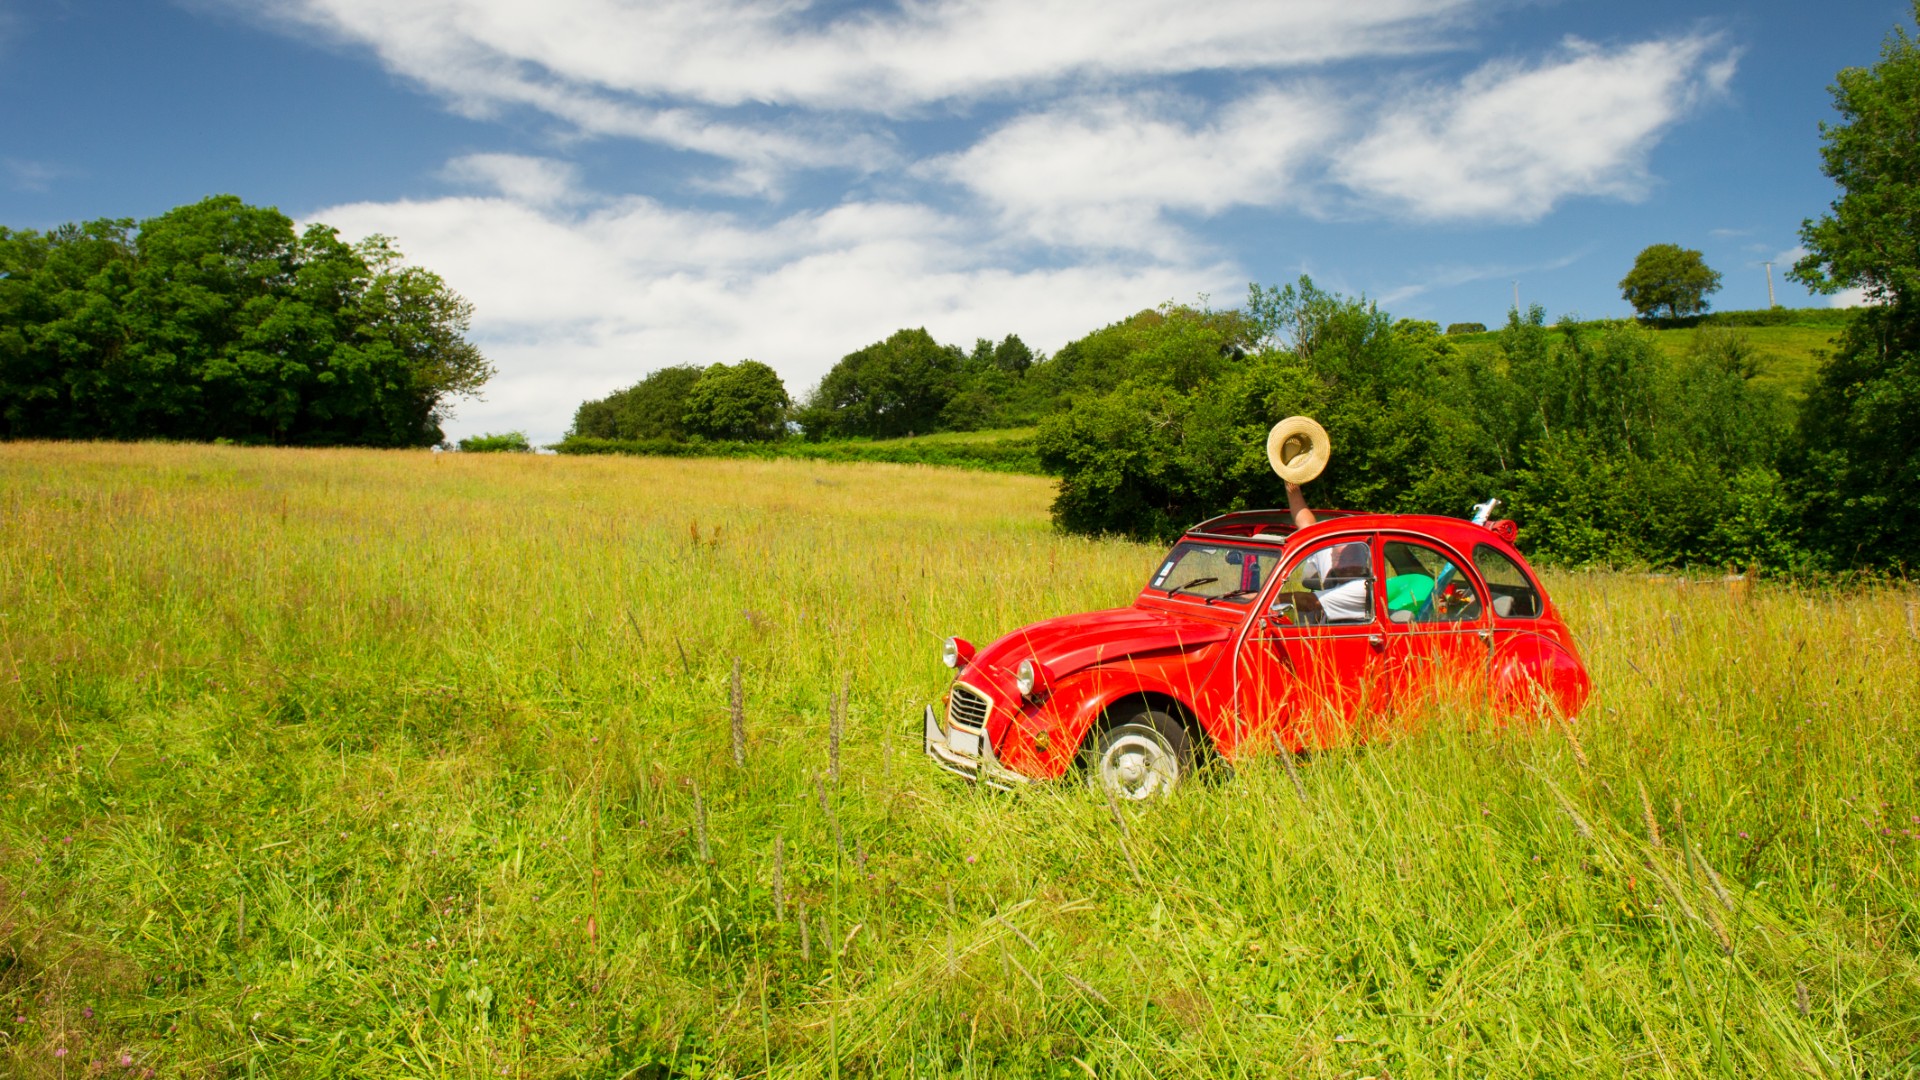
x=1075 y=642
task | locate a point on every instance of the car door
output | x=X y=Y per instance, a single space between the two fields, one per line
x=1438 y=630
x=1307 y=669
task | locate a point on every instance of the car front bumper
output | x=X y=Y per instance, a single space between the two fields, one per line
x=970 y=754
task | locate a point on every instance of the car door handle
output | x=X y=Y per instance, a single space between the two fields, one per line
x=1378 y=641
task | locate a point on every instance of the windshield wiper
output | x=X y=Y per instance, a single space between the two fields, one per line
x=1191 y=584
x=1231 y=595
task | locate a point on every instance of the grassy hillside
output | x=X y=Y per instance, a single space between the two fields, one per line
x=330 y=763
x=1790 y=342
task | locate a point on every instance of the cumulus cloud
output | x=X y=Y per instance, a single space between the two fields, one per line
x=574 y=303
x=1511 y=142
x=1100 y=173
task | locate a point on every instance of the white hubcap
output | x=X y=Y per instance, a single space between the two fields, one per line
x=1138 y=766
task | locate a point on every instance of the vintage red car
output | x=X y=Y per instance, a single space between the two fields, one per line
x=1254 y=636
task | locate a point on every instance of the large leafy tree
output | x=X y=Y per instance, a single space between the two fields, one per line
x=1859 y=469
x=217 y=320
x=746 y=402
x=1671 y=277
x=1870 y=238
x=888 y=389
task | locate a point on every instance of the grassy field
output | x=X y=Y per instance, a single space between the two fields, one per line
x=1000 y=450
x=324 y=763
x=1788 y=354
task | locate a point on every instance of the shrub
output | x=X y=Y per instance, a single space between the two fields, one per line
x=1454 y=329
x=509 y=442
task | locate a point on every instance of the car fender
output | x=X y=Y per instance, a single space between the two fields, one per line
x=1104 y=686
x=1531 y=671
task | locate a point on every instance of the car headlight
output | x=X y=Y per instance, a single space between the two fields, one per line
x=956 y=653
x=1026 y=677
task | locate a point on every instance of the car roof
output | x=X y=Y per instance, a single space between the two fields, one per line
x=1277 y=526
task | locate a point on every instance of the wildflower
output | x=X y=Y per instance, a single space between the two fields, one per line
x=126 y=1061
x=59 y=1051
x=971 y=860
x=66 y=839
x=19 y=1019
x=87 y=1012
x=1743 y=836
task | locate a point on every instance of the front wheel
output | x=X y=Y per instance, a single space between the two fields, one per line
x=1143 y=757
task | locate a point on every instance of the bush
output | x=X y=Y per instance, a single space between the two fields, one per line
x=1455 y=329
x=653 y=408
x=510 y=442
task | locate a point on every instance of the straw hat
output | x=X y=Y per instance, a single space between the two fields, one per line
x=1298 y=449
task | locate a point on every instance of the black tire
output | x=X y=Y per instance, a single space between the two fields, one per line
x=1144 y=755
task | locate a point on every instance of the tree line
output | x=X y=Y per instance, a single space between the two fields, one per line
x=217 y=320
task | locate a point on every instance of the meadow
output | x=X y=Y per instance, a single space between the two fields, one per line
x=357 y=763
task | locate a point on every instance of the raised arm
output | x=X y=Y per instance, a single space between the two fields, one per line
x=1297 y=502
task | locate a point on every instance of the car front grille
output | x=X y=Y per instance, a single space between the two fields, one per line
x=968 y=708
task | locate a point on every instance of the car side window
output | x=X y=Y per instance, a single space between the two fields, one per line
x=1332 y=585
x=1423 y=586
x=1513 y=594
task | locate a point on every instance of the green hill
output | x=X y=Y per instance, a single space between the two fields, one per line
x=1789 y=342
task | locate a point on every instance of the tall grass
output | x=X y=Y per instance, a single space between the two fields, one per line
x=321 y=763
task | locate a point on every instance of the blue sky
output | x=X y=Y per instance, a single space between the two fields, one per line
x=619 y=186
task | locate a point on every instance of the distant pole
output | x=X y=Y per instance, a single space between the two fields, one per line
x=1770 y=302
x=1516 y=296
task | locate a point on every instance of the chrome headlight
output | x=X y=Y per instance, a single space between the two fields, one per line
x=956 y=653
x=1026 y=677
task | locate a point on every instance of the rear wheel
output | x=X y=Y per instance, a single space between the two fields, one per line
x=1144 y=756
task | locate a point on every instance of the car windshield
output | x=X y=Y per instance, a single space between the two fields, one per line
x=1225 y=573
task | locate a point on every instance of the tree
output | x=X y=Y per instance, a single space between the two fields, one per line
x=1871 y=237
x=744 y=402
x=1856 y=473
x=1671 y=277
x=888 y=389
x=215 y=320
x=653 y=408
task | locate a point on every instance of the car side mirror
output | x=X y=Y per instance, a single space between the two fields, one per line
x=1283 y=612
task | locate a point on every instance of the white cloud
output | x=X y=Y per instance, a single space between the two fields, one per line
x=1098 y=174
x=733 y=52
x=539 y=181
x=1511 y=142
x=772 y=85
x=572 y=305
x=1846 y=298
x=1446 y=276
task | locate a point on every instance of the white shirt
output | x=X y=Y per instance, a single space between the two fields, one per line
x=1349 y=601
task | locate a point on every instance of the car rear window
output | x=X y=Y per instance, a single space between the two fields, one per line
x=1514 y=594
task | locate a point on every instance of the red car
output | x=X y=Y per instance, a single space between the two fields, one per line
x=1253 y=635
